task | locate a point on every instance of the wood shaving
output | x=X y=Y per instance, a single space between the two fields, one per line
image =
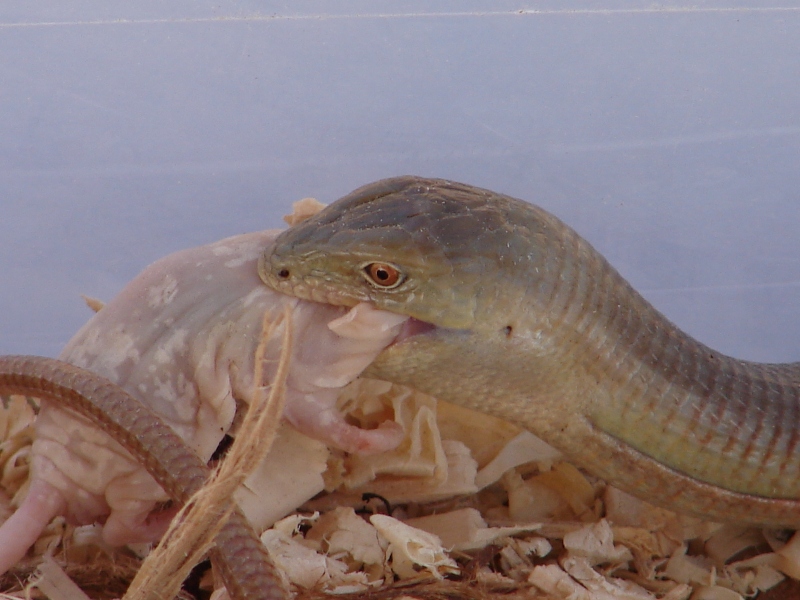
x=55 y=583
x=302 y=210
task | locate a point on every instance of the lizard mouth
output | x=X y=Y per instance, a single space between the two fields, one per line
x=412 y=328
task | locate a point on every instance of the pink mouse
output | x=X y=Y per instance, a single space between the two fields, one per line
x=182 y=337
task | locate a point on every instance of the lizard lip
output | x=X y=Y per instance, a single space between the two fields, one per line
x=411 y=328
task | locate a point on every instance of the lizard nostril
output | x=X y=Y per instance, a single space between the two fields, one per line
x=283 y=273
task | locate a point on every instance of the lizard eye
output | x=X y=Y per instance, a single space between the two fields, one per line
x=383 y=275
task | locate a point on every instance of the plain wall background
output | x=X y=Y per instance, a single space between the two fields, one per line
x=669 y=137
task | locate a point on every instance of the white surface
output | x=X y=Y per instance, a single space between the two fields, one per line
x=669 y=137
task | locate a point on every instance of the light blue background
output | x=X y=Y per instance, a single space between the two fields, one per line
x=669 y=137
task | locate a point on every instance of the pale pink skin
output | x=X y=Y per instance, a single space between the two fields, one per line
x=182 y=338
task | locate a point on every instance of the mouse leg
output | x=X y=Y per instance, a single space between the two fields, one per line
x=318 y=418
x=125 y=528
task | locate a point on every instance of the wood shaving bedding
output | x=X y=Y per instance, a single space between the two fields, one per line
x=593 y=542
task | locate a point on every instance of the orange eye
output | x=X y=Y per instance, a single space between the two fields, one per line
x=382 y=274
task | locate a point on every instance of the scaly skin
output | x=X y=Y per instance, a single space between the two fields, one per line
x=531 y=324
x=243 y=561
